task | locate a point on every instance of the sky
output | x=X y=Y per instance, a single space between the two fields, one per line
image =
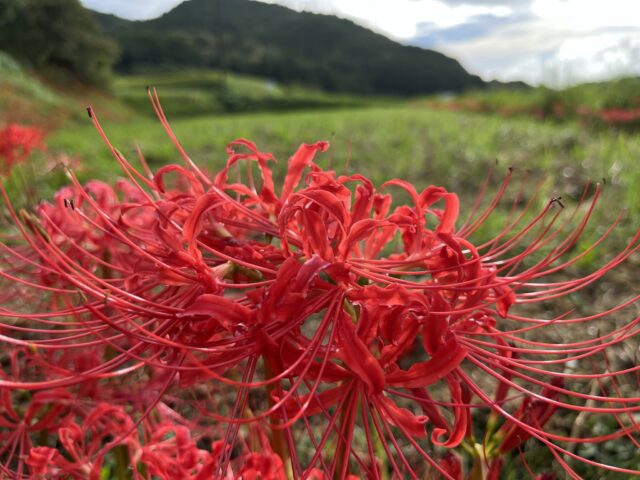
x=552 y=42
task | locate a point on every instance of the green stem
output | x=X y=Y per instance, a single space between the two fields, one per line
x=479 y=469
x=381 y=453
x=121 y=455
x=43 y=438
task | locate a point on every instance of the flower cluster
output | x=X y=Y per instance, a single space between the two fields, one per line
x=17 y=143
x=188 y=326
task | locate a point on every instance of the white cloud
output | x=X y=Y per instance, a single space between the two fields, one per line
x=396 y=18
x=598 y=57
x=538 y=52
x=132 y=9
x=584 y=15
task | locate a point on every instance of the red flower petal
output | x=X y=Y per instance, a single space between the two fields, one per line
x=225 y=311
x=422 y=374
x=297 y=163
x=401 y=417
x=316 y=236
x=357 y=357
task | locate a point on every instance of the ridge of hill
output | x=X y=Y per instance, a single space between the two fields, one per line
x=272 y=41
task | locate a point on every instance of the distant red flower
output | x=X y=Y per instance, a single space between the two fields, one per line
x=16 y=143
x=620 y=116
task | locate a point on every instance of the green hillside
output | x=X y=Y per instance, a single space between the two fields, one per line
x=203 y=92
x=283 y=45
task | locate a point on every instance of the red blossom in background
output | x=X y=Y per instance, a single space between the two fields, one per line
x=319 y=329
x=620 y=116
x=628 y=117
x=16 y=144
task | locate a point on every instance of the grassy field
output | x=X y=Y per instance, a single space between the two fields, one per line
x=428 y=147
x=382 y=138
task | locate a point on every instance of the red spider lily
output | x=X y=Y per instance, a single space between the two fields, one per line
x=17 y=143
x=85 y=445
x=169 y=452
x=361 y=330
x=44 y=412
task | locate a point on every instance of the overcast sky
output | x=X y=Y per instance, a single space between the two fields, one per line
x=555 y=42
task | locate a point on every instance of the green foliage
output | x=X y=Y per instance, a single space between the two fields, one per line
x=28 y=99
x=275 y=42
x=13 y=76
x=56 y=33
x=203 y=92
x=8 y=66
x=623 y=93
x=23 y=98
x=620 y=93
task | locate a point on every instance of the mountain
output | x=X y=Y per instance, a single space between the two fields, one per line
x=250 y=37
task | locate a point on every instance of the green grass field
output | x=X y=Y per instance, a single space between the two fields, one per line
x=451 y=149
x=381 y=138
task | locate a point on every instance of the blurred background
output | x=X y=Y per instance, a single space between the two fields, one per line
x=432 y=91
x=440 y=87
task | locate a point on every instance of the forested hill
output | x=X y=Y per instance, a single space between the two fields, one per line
x=276 y=42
